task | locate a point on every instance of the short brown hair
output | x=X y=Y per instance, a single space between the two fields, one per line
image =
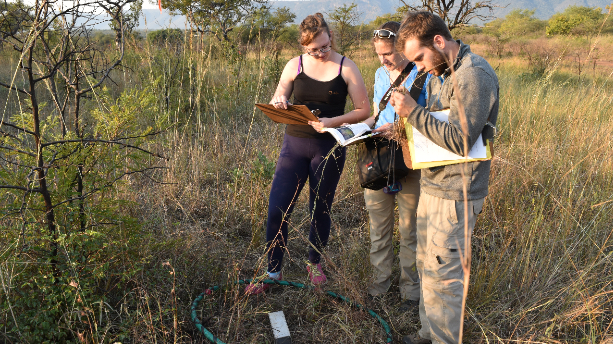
x=311 y=27
x=392 y=26
x=423 y=26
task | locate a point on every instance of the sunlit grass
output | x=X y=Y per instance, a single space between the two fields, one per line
x=542 y=254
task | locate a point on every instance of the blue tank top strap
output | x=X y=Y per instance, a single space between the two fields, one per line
x=341 y=66
x=300 y=67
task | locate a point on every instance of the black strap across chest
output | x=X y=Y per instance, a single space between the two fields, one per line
x=415 y=88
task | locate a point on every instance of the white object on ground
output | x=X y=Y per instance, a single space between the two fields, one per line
x=279 y=328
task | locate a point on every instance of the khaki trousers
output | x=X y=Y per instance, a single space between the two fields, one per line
x=381 y=208
x=441 y=235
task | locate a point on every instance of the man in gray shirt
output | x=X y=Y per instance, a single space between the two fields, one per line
x=451 y=196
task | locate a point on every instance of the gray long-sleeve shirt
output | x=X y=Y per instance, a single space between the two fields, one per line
x=475 y=89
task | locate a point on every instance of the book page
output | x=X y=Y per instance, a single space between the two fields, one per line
x=349 y=133
x=426 y=150
x=360 y=138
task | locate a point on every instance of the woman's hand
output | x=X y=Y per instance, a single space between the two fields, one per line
x=280 y=102
x=383 y=128
x=321 y=125
x=386 y=130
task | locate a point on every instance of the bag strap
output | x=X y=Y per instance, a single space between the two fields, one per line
x=386 y=97
x=418 y=85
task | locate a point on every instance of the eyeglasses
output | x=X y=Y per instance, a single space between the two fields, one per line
x=318 y=52
x=383 y=34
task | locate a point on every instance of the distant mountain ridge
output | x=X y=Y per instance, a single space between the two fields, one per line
x=152 y=19
x=371 y=9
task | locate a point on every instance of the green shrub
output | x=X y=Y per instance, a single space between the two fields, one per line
x=166 y=36
x=576 y=20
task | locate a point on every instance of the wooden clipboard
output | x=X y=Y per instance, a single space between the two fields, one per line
x=295 y=114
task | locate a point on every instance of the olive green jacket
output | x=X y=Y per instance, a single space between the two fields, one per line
x=476 y=88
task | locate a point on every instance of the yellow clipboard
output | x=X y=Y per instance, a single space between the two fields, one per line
x=416 y=165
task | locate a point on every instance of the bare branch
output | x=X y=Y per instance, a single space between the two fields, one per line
x=454 y=14
x=153 y=133
x=22 y=188
x=16 y=127
x=18 y=151
x=98 y=189
x=15 y=163
x=102 y=141
x=14 y=88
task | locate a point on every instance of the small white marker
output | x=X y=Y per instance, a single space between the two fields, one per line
x=279 y=328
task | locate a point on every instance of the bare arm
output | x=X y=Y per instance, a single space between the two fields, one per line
x=370 y=121
x=286 y=85
x=359 y=97
x=386 y=128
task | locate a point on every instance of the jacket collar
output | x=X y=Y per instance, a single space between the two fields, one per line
x=464 y=50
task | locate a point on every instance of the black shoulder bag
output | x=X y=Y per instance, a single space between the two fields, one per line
x=380 y=162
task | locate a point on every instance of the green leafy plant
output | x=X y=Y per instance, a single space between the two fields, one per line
x=263 y=168
x=577 y=20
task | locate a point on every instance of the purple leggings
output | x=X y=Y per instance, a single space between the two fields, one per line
x=302 y=158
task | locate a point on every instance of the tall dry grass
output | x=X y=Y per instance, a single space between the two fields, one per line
x=543 y=245
x=542 y=253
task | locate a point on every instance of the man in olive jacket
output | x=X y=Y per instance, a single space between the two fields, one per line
x=451 y=196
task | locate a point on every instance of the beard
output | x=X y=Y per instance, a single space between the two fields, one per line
x=439 y=62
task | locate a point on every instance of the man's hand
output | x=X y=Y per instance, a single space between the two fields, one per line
x=402 y=102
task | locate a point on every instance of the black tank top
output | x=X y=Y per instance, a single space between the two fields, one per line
x=329 y=97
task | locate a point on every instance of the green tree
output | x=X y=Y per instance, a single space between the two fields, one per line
x=14 y=16
x=521 y=22
x=515 y=24
x=270 y=24
x=396 y=16
x=215 y=17
x=344 y=20
x=58 y=161
x=576 y=20
x=166 y=36
x=124 y=16
x=289 y=36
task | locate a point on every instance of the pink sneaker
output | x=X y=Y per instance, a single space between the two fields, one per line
x=316 y=274
x=257 y=287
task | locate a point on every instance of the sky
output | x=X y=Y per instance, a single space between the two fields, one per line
x=150 y=5
x=154 y=5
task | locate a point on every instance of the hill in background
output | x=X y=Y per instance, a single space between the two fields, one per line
x=152 y=19
x=545 y=8
x=371 y=9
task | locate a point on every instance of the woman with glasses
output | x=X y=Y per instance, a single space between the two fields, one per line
x=321 y=79
x=380 y=203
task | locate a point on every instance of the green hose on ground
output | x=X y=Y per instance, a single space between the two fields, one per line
x=211 y=337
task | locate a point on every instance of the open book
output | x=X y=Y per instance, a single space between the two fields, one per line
x=349 y=134
x=425 y=153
